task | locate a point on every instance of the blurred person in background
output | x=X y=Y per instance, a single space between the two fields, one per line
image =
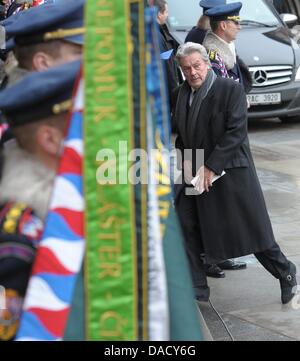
x=36 y=110
x=197 y=34
x=45 y=36
x=219 y=43
x=168 y=45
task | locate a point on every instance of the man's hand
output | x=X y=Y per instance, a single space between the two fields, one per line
x=205 y=179
x=188 y=173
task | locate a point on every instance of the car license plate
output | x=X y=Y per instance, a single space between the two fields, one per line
x=270 y=98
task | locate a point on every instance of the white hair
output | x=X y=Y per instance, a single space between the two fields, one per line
x=190 y=48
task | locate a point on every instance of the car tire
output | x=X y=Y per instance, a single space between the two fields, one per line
x=289 y=120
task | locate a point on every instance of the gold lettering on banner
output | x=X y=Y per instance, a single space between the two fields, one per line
x=104 y=65
x=106 y=88
x=104 y=13
x=105 y=113
x=111 y=325
x=108 y=206
x=110 y=250
x=110 y=270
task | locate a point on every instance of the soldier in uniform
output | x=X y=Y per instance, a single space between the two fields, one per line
x=15 y=6
x=35 y=109
x=219 y=43
x=42 y=37
x=45 y=36
x=197 y=34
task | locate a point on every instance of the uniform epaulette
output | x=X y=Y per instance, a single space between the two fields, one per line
x=212 y=54
x=17 y=218
x=19 y=229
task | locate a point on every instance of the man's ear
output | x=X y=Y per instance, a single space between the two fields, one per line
x=223 y=25
x=41 y=61
x=49 y=139
x=159 y=17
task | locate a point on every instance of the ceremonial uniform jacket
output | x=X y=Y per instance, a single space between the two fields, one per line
x=25 y=189
x=224 y=63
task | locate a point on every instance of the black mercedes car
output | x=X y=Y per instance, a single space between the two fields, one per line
x=266 y=45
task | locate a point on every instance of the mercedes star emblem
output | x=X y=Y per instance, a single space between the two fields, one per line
x=260 y=77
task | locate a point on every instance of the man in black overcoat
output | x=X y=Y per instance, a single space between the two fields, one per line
x=219 y=43
x=230 y=218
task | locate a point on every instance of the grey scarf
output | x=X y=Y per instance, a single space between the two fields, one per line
x=186 y=125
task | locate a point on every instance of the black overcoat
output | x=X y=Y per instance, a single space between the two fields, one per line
x=196 y=35
x=167 y=42
x=232 y=217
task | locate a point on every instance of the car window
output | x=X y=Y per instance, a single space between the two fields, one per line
x=257 y=11
x=185 y=14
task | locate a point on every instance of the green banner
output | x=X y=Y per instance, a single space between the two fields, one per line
x=111 y=259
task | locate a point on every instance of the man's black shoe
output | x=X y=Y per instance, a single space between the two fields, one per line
x=212 y=270
x=231 y=264
x=288 y=285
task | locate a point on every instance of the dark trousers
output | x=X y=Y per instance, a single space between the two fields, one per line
x=192 y=242
x=273 y=260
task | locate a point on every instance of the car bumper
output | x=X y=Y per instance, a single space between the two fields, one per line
x=289 y=106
